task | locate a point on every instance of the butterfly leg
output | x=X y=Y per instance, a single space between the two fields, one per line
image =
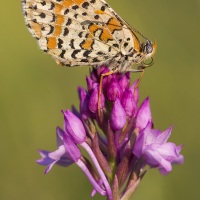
x=141 y=76
x=141 y=69
x=100 y=90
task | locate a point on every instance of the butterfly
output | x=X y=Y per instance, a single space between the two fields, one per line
x=86 y=32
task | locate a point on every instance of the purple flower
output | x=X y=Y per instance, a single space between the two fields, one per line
x=114 y=90
x=60 y=156
x=143 y=116
x=117 y=137
x=118 y=116
x=124 y=81
x=152 y=146
x=128 y=103
x=91 y=84
x=93 y=102
x=84 y=102
x=74 y=127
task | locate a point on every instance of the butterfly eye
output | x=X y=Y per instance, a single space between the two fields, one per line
x=148 y=47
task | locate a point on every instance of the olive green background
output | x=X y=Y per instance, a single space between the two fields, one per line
x=33 y=90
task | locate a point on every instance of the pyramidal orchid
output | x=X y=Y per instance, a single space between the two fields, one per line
x=120 y=140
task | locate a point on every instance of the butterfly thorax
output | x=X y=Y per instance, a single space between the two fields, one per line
x=126 y=62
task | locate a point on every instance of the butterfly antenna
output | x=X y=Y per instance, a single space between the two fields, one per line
x=135 y=30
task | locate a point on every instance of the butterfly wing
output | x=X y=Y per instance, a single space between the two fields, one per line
x=77 y=32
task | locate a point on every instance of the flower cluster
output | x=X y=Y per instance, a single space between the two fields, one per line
x=117 y=134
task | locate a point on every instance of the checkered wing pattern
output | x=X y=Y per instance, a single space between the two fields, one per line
x=78 y=32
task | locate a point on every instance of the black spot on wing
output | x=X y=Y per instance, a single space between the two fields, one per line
x=66 y=31
x=100 y=53
x=116 y=45
x=75 y=16
x=34 y=7
x=62 y=54
x=84 y=60
x=53 y=18
x=125 y=44
x=96 y=16
x=60 y=42
x=51 y=30
x=52 y=6
x=84 y=13
x=85 y=5
x=95 y=60
x=66 y=11
x=126 y=57
x=34 y=20
x=69 y=21
x=75 y=7
x=43 y=3
x=29 y=26
x=130 y=49
x=72 y=44
x=75 y=52
x=80 y=34
x=103 y=8
x=42 y=15
x=86 y=53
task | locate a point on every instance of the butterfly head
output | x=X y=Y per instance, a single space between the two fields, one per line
x=149 y=49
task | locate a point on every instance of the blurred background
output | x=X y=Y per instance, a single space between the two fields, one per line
x=33 y=90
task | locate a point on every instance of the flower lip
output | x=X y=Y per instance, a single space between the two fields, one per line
x=152 y=146
x=60 y=156
x=71 y=148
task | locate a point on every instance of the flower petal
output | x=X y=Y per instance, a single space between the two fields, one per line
x=151 y=145
x=71 y=149
x=91 y=84
x=93 y=102
x=45 y=160
x=164 y=136
x=84 y=102
x=128 y=103
x=124 y=81
x=59 y=136
x=74 y=127
x=144 y=115
x=114 y=90
x=118 y=116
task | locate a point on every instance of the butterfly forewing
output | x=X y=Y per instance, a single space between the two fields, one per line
x=76 y=32
x=84 y=32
